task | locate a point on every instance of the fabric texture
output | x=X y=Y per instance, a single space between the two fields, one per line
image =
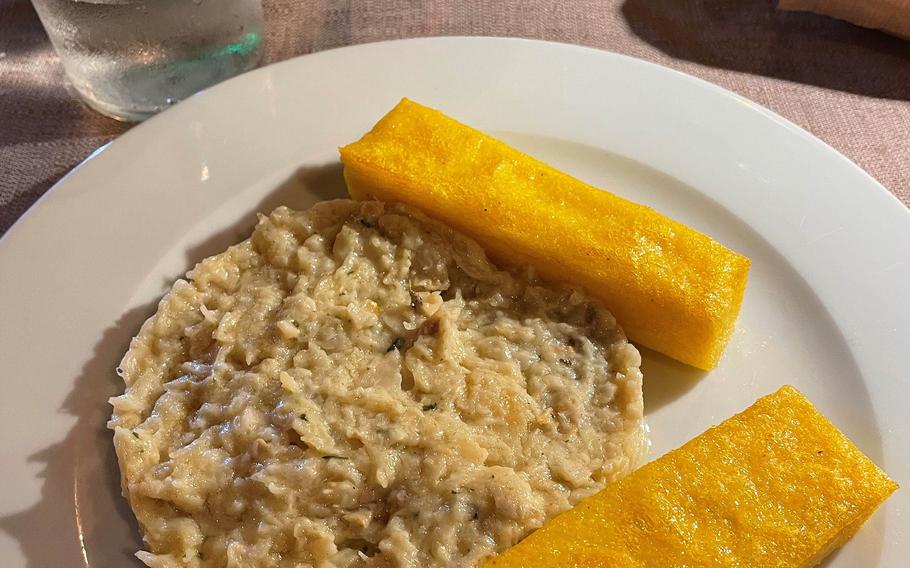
x=849 y=86
x=892 y=16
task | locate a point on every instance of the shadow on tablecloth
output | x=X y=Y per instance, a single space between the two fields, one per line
x=45 y=129
x=753 y=37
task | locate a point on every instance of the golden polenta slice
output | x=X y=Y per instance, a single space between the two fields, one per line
x=776 y=485
x=671 y=288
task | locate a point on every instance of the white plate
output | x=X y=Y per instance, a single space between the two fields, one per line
x=827 y=308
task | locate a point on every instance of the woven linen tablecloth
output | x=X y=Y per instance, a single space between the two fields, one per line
x=847 y=85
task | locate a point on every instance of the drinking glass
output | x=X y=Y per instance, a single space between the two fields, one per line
x=130 y=59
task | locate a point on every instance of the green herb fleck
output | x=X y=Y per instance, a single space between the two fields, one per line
x=334 y=458
x=566 y=362
x=396 y=345
x=591 y=314
x=427 y=407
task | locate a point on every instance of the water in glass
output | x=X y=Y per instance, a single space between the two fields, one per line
x=132 y=58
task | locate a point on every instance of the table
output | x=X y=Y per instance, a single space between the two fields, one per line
x=847 y=85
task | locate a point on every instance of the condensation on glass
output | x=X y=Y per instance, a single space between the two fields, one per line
x=133 y=58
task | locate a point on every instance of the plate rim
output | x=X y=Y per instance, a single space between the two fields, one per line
x=100 y=157
x=214 y=90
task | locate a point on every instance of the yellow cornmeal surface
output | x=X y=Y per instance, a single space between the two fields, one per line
x=672 y=288
x=777 y=485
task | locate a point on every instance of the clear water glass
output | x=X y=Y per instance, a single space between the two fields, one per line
x=130 y=59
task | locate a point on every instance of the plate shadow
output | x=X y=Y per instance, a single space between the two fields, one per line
x=302 y=190
x=665 y=379
x=81 y=491
x=81 y=513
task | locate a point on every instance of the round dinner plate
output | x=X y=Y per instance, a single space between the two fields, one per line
x=827 y=308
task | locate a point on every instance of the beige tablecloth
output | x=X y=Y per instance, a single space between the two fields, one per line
x=847 y=85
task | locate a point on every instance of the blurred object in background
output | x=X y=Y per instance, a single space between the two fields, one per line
x=130 y=59
x=892 y=16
